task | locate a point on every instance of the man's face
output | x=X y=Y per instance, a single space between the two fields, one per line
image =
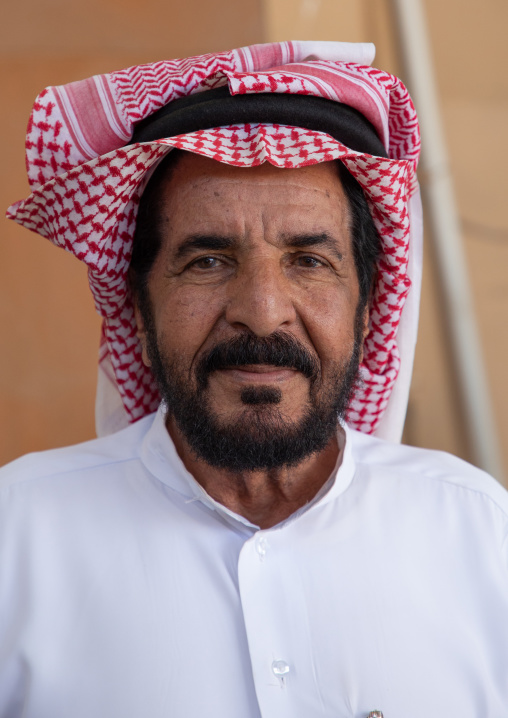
x=253 y=327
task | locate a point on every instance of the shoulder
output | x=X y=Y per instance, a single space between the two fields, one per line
x=426 y=470
x=120 y=447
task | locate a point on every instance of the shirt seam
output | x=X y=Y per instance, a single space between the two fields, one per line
x=479 y=492
x=54 y=474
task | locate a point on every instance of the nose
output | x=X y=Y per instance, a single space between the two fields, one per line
x=260 y=298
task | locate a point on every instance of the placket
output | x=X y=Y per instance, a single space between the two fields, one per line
x=274 y=609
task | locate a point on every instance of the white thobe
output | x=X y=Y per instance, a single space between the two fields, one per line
x=127 y=592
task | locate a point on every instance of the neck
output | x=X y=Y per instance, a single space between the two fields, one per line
x=265 y=498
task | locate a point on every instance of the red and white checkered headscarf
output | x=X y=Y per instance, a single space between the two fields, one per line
x=86 y=186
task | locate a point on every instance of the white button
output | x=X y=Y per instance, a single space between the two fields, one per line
x=280 y=668
x=261 y=546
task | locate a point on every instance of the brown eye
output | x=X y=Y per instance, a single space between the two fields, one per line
x=309 y=262
x=206 y=263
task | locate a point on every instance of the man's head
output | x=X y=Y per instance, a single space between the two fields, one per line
x=252 y=290
x=290 y=104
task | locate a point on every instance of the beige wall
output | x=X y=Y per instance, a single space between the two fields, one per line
x=48 y=362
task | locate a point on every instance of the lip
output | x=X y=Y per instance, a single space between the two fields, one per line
x=259 y=373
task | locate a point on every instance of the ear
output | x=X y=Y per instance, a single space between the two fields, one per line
x=365 y=328
x=141 y=333
x=138 y=316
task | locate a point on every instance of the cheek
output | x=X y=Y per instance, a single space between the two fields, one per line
x=185 y=318
x=329 y=318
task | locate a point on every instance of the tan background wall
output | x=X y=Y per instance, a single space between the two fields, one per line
x=50 y=332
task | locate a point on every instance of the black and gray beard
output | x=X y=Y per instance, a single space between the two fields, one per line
x=259 y=436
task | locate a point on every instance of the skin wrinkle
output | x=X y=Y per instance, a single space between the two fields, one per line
x=257 y=286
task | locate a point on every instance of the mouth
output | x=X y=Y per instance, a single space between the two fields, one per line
x=279 y=360
x=258 y=373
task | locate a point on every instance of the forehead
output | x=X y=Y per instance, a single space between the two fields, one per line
x=198 y=190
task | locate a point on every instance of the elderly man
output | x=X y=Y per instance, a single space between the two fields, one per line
x=251 y=225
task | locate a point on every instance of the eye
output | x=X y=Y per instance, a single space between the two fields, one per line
x=309 y=262
x=206 y=263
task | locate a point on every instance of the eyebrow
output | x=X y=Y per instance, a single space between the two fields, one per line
x=313 y=240
x=218 y=242
x=203 y=241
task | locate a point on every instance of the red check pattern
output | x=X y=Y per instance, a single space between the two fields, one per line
x=87 y=185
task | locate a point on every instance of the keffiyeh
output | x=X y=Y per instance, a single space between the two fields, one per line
x=86 y=181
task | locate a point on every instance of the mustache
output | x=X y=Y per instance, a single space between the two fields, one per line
x=278 y=349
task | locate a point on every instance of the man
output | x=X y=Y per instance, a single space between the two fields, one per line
x=239 y=553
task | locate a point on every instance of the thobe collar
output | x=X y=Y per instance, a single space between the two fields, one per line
x=161 y=458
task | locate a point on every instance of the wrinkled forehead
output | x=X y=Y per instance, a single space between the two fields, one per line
x=186 y=172
x=197 y=193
